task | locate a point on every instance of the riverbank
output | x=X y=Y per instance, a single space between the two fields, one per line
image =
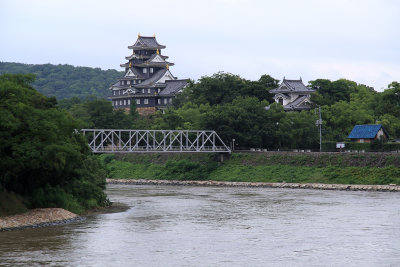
x=267 y=167
x=52 y=216
x=347 y=187
x=38 y=218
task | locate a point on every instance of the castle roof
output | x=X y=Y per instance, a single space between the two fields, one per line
x=158 y=78
x=145 y=42
x=159 y=58
x=173 y=87
x=143 y=56
x=299 y=103
x=133 y=73
x=155 y=60
x=292 y=86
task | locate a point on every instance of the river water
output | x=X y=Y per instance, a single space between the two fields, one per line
x=215 y=226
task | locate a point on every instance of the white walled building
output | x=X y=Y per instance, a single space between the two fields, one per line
x=293 y=95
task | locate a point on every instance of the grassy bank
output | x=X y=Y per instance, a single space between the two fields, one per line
x=329 y=168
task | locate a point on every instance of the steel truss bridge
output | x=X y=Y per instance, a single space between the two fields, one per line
x=142 y=141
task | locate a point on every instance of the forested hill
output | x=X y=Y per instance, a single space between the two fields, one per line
x=65 y=81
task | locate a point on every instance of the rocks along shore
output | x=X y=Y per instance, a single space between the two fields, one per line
x=349 y=187
x=38 y=218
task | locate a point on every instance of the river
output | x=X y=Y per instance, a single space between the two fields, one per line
x=217 y=226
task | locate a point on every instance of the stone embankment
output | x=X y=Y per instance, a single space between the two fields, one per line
x=38 y=218
x=348 y=187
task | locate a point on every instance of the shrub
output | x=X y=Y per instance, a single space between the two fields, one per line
x=106 y=158
x=55 y=197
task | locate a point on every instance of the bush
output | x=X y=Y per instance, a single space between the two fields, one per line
x=391 y=146
x=329 y=146
x=77 y=196
x=376 y=146
x=358 y=146
x=106 y=158
x=55 y=197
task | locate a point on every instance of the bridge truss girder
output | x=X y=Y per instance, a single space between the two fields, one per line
x=141 y=141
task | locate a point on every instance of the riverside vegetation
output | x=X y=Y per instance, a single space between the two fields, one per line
x=329 y=168
x=44 y=162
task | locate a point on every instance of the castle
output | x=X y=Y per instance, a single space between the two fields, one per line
x=148 y=82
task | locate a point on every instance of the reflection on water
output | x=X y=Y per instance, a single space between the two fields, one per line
x=212 y=226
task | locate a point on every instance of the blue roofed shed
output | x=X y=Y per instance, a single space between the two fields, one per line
x=368 y=133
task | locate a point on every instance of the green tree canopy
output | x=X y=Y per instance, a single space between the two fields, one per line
x=43 y=157
x=99 y=114
x=330 y=92
x=221 y=88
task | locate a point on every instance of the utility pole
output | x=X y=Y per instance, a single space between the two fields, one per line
x=320 y=129
x=319 y=123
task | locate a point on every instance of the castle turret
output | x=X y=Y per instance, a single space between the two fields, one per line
x=293 y=95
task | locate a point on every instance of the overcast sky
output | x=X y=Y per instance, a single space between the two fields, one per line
x=332 y=39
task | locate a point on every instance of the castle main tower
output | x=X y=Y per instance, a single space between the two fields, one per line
x=147 y=80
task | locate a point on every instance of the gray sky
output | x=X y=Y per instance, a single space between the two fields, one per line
x=332 y=39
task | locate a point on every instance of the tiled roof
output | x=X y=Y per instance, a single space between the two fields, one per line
x=136 y=72
x=148 y=42
x=173 y=87
x=297 y=101
x=156 y=76
x=365 y=131
x=162 y=57
x=149 y=62
x=292 y=86
x=277 y=95
x=153 y=56
x=295 y=105
x=296 y=85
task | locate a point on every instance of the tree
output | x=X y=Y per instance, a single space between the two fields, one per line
x=245 y=120
x=67 y=103
x=221 y=88
x=341 y=117
x=330 y=92
x=99 y=114
x=170 y=120
x=298 y=130
x=43 y=158
x=389 y=101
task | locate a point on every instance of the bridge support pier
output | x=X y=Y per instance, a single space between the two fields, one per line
x=223 y=156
